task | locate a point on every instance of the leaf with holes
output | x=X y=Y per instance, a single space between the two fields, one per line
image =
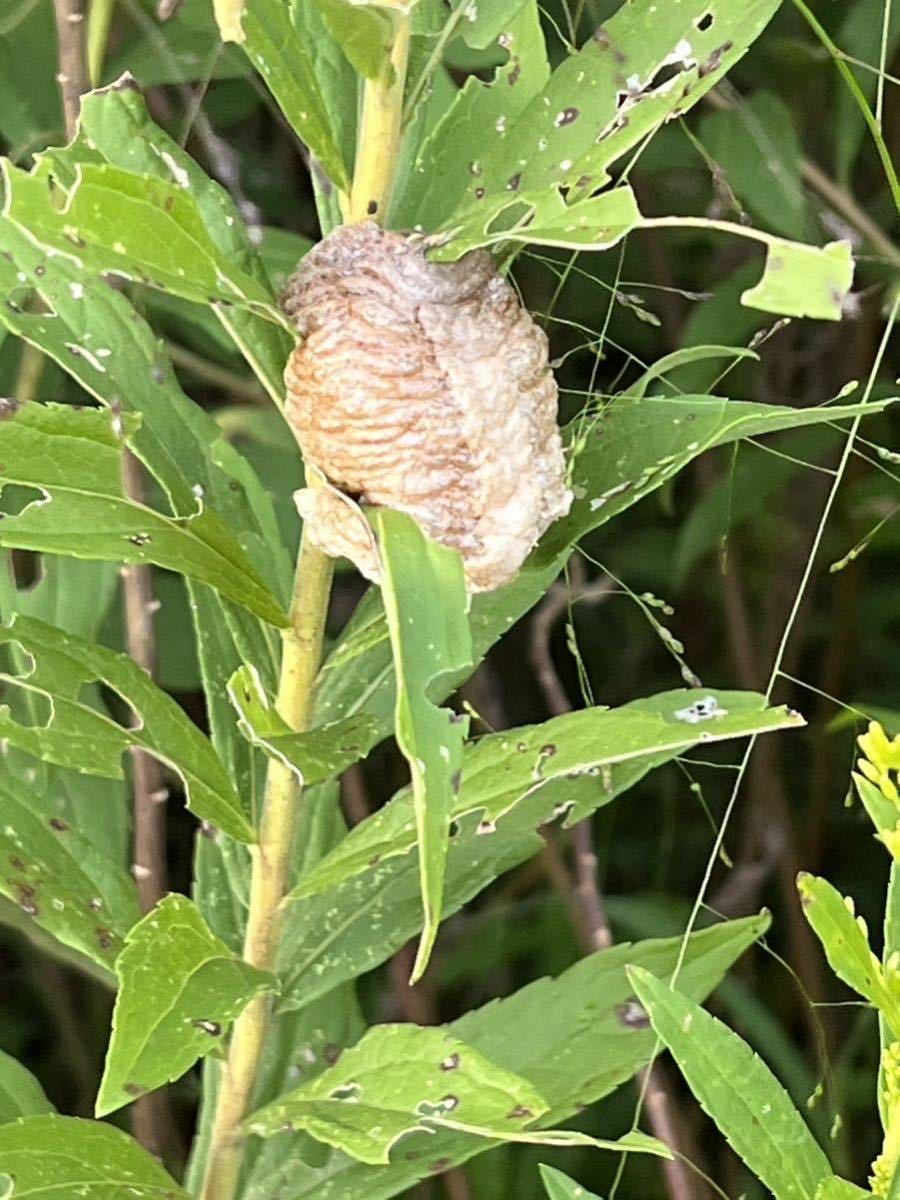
x=315 y=755
x=65 y=1156
x=425 y=600
x=545 y=219
x=135 y=226
x=845 y=940
x=397 y=1080
x=737 y=1090
x=75 y=458
x=60 y=879
x=117 y=125
x=502 y=769
x=620 y=453
x=78 y=736
x=403 y=1079
x=450 y=155
x=648 y=64
x=573 y=1038
x=20 y=1093
x=180 y=988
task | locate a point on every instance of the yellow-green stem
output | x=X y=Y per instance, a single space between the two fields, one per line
x=376 y=159
x=379 y=132
x=100 y=16
x=270 y=871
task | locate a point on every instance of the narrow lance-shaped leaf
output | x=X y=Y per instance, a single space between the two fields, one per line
x=59 y=878
x=78 y=736
x=75 y=458
x=20 y=1093
x=315 y=755
x=66 y=1156
x=502 y=769
x=845 y=940
x=403 y=1079
x=561 y=1187
x=425 y=601
x=180 y=988
x=737 y=1090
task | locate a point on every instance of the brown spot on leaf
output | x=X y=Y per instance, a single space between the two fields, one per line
x=59 y=825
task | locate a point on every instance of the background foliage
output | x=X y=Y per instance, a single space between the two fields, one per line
x=695 y=583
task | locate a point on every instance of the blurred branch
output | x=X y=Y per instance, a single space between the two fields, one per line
x=152 y=1119
x=73 y=70
x=218 y=377
x=590 y=911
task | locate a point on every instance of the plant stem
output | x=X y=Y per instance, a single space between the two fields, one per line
x=73 y=74
x=376 y=159
x=270 y=870
x=100 y=17
x=379 y=131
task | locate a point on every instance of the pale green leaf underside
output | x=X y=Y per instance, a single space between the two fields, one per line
x=74 y=457
x=180 y=988
x=425 y=600
x=569 y=1037
x=78 y=736
x=737 y=1090
x=392 y=1082
x=140 y=227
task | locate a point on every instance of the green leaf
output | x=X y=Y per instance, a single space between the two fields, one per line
x=619 y=454
x=425 y=600
x=328 y=935
x=845 y=940
x=180 y=988
x=397 y=1080
x=364 y=31
x=74 y=457
x=832 y=1187
x=287 y=60
x=65 y=1156
x=573 y=1038
x=78 y=736
x=451 y=153
x=757 y=146
x=118 y=126
x=59 y=878
x=20 y=1093
x=804 y=281
x=737 y=1089
x=135 y=226
x=545 y=219
x=314 y=756
x=501 y=769
x=561 y=1187
x=605 y=99
x=685 y=357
